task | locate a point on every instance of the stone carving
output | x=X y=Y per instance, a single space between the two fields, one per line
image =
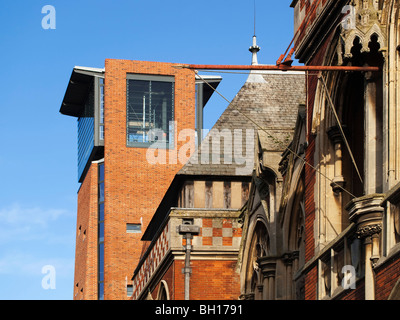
x=368 y=230
x=366 y=24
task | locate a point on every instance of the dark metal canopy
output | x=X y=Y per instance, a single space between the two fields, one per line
x=77 y=91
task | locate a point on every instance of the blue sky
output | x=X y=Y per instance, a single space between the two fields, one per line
x=38 y=150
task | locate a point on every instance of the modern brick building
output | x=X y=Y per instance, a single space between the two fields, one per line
x=130 y=115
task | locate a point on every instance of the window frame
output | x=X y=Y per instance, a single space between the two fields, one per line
x=169 y=144
x=134 y=231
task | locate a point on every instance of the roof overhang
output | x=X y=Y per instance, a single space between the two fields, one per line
x=209 y=81
x=78 y=88
x=82 y=78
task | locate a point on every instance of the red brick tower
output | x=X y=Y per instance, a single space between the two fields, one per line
x=125 y=112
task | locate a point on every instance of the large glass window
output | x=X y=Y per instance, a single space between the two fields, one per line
x=150 y=110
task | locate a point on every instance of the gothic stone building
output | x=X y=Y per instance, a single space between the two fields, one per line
x=326 y=226
x=195 y=236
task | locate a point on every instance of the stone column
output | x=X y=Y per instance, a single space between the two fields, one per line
x=373 y=137
x=268 y=268
x=291 y=262
x=366 y=212
x=370 y=234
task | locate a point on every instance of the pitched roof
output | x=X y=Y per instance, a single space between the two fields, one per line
x=271 y=100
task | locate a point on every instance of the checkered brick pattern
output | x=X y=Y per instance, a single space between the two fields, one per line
x=153 y=259
x=218 y=232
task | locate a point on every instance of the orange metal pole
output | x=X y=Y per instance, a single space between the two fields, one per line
x=280 y=67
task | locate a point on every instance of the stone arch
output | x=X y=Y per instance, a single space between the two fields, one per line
x=257 y=247
x=293 y=236
x=296 y=228
x=163 y=291
x=288 y=214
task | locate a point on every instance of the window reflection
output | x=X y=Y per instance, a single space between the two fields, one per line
x=150 y=110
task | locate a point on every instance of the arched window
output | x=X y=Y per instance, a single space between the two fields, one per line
x=360 y=98
x=294 y=259
x=258 y=248
x=163 y=292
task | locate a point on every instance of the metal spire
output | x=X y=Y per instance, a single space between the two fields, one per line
x=254 y=48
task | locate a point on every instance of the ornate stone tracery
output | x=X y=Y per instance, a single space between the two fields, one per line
x=361 y=24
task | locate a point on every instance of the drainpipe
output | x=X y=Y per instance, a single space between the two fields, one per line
x=187 y=229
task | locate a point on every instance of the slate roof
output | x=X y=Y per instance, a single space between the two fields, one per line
x=271 y=99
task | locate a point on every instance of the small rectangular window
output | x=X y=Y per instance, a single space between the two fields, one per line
x=101 y=172
x=133 y=228
x=129 y=290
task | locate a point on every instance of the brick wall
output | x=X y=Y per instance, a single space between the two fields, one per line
x=219 y=237
x=310 y=173
x=386 y=278
x=210 y=280
x=151 y=261
x=311 y=281
x=85 y=278
x=168 y=277
x=133 y=187
x=310 y=10
x=354 y=294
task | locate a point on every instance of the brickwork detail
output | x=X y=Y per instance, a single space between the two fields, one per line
x=386 y=278
x=210 y=280
x=218 y=232
x=133 y=186
x=153 y=260
x=85 y=278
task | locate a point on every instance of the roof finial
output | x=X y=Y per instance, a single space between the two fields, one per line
x=254 y=48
